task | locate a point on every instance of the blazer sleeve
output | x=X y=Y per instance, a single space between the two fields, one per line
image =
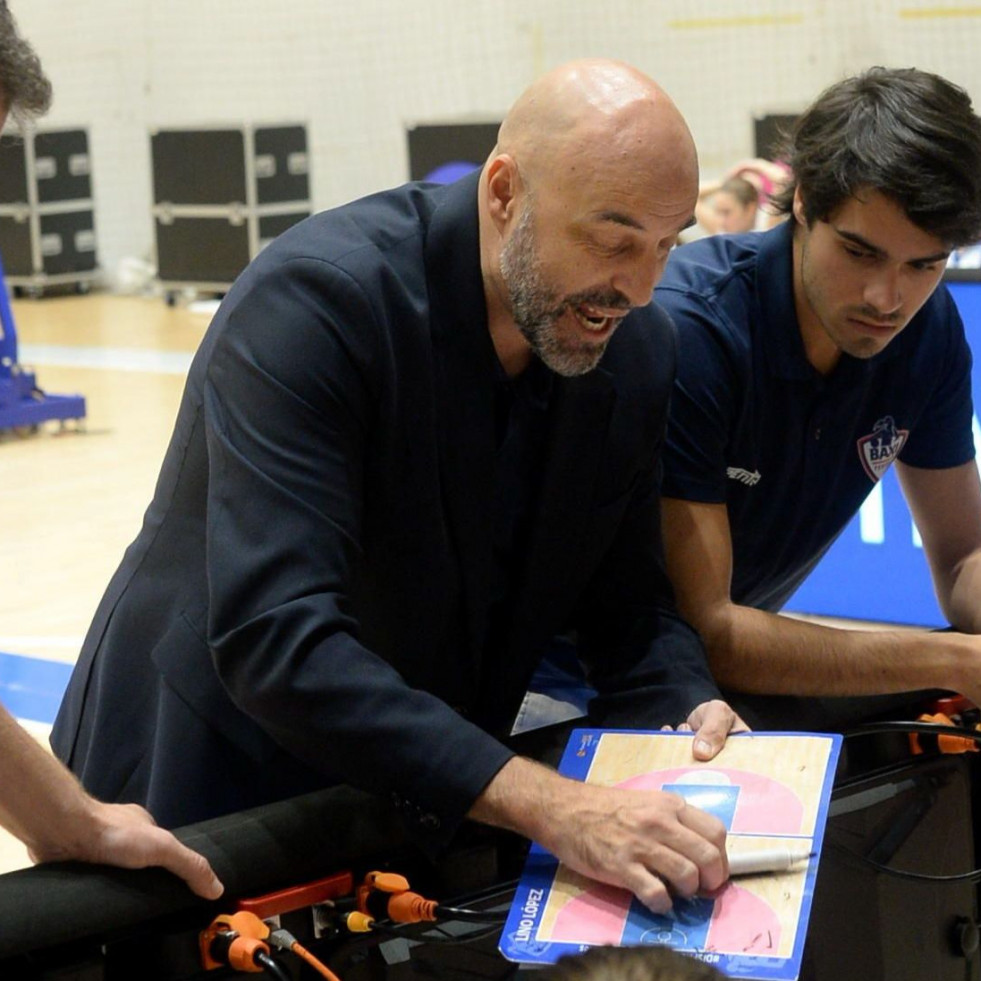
x=289 y=413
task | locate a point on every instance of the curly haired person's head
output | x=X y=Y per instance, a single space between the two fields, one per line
x=25 y=91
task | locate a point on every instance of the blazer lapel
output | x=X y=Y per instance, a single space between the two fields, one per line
x=579 y=427
x=464 y=361
x=580 y=413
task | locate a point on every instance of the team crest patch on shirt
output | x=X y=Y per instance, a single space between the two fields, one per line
x=878 y=450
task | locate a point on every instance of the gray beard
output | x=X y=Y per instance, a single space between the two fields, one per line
x=536 y=309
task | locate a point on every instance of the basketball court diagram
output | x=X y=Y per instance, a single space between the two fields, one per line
x=768 y=789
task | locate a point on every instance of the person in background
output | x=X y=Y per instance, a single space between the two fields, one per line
x=740 y=201
x=812 y=358
x=727 y=206
x=630 y=964
x=40 y=801
x=770 y=178
x=420 y=440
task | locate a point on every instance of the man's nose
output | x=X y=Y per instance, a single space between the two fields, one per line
x=883 y=293
x=637 y=282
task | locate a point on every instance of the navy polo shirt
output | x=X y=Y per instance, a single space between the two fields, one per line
x=792 y=453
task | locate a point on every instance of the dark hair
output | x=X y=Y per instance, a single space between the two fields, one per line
x=25 y=91
x=630 y=964
x=908 y=134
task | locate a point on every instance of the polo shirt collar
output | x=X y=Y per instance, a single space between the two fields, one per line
x=778 y=316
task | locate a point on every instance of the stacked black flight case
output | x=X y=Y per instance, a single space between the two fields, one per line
x=47 y=227
x=219 y=196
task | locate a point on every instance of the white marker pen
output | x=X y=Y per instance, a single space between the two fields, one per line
x=777 y=859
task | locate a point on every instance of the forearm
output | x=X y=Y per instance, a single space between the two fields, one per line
x=42 y=803
x=765 y=653
x=961 y=600
x=520 y=798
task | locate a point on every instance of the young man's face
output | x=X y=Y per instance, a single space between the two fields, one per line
x=860 y=276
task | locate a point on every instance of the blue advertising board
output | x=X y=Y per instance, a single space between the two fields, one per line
x=876 y=570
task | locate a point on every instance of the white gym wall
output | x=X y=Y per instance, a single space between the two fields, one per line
x=358 y=72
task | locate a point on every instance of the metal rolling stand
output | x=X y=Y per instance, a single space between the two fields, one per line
x=219 y=196
x=23 y=405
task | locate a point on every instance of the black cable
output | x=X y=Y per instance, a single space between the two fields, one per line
x=386 y=927
x=973 y=876
x=445 y=939
x=429 y=932
x=930 y=728
x=272 y=967
x=470 y=915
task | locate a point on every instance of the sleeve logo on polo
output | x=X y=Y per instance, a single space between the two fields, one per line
x=747 y=477
x=878 y=450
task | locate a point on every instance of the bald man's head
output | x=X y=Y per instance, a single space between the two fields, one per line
x=595 y=114
x=593 y=176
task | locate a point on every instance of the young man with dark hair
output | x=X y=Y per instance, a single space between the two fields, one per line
x=812 y=357
x=40 y=801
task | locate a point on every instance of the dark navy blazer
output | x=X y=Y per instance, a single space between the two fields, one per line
x=307 y=601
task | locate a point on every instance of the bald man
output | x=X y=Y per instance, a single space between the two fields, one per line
x=419 y=440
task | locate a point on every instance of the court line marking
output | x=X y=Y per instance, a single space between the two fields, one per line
x=106 y=358
x=31 y=688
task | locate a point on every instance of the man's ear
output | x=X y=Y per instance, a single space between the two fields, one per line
x=503 y=185
x=799 y=216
